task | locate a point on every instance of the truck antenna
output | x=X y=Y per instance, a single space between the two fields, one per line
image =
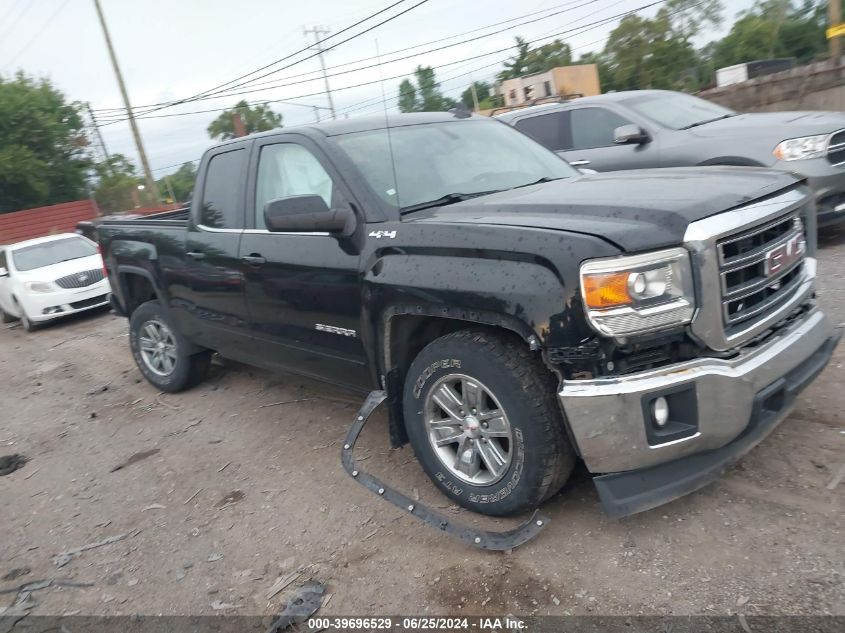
x=387 y=126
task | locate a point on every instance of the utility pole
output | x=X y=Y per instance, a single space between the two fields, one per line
x=145 y=164
x=474 y=96
x=100 y=140
x=834 y=17
x=238 y=125
x=317 y=31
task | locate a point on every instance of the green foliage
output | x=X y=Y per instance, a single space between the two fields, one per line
x=483 y=92
x=774 y=28
x=425 y=96
x=117 y=186
x=182 y=182
x=42 y=145
x=530 y=61
x=259 y=118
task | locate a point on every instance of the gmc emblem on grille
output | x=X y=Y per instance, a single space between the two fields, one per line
x=784 y=255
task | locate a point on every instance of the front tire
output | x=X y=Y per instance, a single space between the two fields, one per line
x=26 y=322
x=162 y=353
x=481 y=415
x=6 y=317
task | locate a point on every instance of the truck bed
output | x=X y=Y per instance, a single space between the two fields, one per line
x=175 y=218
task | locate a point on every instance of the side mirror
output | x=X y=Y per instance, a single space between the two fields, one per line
x=3 y=272
x=306 y=214
x=630 y=133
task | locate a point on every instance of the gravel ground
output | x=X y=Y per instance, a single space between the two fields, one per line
x=213 y=495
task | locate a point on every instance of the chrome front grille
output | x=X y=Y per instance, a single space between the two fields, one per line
x=752 y=268
x=836 y=148
x=80 y=280
x=760 y=268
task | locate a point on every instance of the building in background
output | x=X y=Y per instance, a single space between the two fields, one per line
x=743 y=72
x=580 y=80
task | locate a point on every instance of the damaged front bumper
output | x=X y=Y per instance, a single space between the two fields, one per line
x=718 y=410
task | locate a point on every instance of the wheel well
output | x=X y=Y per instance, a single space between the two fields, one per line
x=137 y=290
x=731 y=161
x=406 y=336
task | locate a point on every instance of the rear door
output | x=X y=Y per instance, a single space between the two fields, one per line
x=303 y=289
x=214 y=300
x=588 y=134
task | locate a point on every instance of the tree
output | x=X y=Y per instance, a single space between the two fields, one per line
x=649 y=53
x=259 y=118
x=43 y=157
x=482 y=93
x=182 y=180
x=774 y=28
x=117 y=185
x=531 y=61
x=425 y=96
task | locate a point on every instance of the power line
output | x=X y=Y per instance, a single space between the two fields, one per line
x=26 y=7
x=398 y=59
x=40 y=32
x=589 y=26
x=401 y=50
x=566 y=31
x=393 y=17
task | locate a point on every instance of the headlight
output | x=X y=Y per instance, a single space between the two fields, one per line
x=801 y=148
x=638 y=293
x=38 y=286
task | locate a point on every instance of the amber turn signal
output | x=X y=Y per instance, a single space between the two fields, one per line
x=606 y=290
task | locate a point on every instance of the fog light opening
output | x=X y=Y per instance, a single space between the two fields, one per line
x=660 y=412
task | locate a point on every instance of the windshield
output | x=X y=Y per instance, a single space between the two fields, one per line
x=435 y=161
x=49 y=253
x=677 y=111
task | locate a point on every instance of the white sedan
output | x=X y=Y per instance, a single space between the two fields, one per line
x=50 y=277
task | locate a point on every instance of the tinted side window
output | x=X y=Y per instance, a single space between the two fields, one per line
x=288 y=169
x=3 y=259
x=593 y=127
x=222 y=197
x=545 y=129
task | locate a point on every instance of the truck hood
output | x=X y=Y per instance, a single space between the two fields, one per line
x=635 y=210
x=777 y=126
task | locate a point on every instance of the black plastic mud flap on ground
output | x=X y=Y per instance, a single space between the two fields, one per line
x=478 y=538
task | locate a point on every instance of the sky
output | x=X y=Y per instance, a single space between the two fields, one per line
x=169 y=50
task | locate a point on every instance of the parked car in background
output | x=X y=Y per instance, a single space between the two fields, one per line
x=50 y=277
x=659 y=128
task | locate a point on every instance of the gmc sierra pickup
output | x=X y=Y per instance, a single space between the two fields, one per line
x=519 y=315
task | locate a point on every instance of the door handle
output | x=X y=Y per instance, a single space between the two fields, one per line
x=254 y=260
x=579 y=163
x=195 y=255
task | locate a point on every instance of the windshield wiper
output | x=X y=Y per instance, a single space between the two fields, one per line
x=705 y=122
x=539 y=181
x=449 y=198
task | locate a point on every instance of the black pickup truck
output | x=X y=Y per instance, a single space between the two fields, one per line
x=519 y=315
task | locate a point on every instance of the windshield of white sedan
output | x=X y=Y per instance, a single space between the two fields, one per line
x=677 y=111
x=49 y=253
x=450 y=161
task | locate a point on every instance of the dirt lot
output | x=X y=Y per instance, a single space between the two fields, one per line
x=217 y=495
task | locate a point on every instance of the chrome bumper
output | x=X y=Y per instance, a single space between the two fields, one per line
x=609 y=422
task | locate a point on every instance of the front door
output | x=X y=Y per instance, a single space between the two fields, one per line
x=303 y=289
x=588 y=142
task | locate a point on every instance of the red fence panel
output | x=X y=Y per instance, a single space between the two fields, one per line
x=58 y=218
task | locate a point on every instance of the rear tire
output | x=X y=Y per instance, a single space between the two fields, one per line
x=499 y=446
x=162 y=353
